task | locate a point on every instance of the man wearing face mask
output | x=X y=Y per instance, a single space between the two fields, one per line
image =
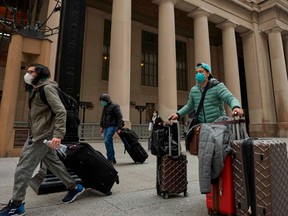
x=217 y=94
x=111 y=122
x=46 y=121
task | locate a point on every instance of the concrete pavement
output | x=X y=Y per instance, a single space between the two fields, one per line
x=135 y=195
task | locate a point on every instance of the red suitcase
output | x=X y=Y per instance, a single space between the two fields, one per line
x=221 y=197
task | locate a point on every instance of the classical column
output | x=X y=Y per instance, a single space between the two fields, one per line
x=231 y=70
x=167 y=79
x=92 y=63
x=120 y=56
x=201 y=35
x=285 y=38
x=262 y=114
x=279 y=75
x=10 y=92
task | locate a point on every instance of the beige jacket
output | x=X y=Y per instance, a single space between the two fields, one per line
x=46 y=121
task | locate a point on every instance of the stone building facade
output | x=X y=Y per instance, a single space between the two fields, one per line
x=143 y=52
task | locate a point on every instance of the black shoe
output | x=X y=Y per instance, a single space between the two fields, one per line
x=108 y=193
x=112 y=161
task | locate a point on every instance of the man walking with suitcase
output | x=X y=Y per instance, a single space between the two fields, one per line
x=111 y=122
x=46 y=121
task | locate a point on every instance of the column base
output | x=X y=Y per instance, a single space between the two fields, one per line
x=263 y=130
x=283 y=129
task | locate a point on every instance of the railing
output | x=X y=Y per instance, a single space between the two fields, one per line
x=87 y=131
x=90 y=131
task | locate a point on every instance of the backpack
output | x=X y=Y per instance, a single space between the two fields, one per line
x=72 y=118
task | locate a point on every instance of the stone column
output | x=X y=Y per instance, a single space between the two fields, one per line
x=231 y=71
x=120 y=56
x=10 y=92
x=279 y=76
x=92 y=63
x=262 y=114
x=167 y=79
x=285 y=38
x=53 y=22
x=201 y=36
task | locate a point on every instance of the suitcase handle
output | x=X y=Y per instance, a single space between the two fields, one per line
x=170 y=138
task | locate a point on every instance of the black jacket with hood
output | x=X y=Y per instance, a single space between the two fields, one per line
x=111 y=114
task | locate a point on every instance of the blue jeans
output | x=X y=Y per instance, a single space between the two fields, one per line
x=108 y=139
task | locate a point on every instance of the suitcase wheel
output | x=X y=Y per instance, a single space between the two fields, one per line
x=165 y=195
x=185 y=194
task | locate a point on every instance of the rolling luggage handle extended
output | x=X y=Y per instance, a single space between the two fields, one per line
x=236 y=127
x=236 y=122
x=178 y=138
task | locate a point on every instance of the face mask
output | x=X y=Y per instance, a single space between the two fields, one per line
x=103 y=103
x=28 y=78
x=154 y=114
x=200 y=77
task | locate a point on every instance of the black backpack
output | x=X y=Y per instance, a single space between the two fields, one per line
x=72 y=120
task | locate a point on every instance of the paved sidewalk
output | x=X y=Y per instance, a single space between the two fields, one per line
x=135 y=195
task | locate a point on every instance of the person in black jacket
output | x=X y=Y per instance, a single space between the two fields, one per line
x=111 y=122
x=157 y=120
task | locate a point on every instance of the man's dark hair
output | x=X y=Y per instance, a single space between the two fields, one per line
x=42 y=71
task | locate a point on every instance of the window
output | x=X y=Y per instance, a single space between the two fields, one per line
x=181 y=65
x=149 y=63
x=106 y=50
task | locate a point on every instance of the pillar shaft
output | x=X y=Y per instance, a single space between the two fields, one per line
x=286 y=51
x=201 y=36
x=279 y=74
x=167 y=79
x=231 y=70
x=10 y=93
x=120 y=56
x=262 y=114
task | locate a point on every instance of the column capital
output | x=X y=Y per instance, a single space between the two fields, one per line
x=247 y=34
x=226 y=24
x=200 y=12
x=274 y=29
x=159 y=2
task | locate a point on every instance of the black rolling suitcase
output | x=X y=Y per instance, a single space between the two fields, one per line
x=171 y=169
x=92 y=167
x=132 y=145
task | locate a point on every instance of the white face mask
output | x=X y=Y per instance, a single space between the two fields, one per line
x=28 y=78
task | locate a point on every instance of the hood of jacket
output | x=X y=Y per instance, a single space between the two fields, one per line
x=105 y=97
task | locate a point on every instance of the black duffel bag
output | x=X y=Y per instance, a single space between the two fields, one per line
x=160 y=142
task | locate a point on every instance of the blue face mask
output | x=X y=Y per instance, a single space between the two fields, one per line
x=103 y=103
x=200 y=77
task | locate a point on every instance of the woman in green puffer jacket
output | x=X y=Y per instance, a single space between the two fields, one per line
x=216 y=95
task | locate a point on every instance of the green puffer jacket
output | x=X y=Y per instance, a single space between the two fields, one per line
x=213 y=106
x=46 y=121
